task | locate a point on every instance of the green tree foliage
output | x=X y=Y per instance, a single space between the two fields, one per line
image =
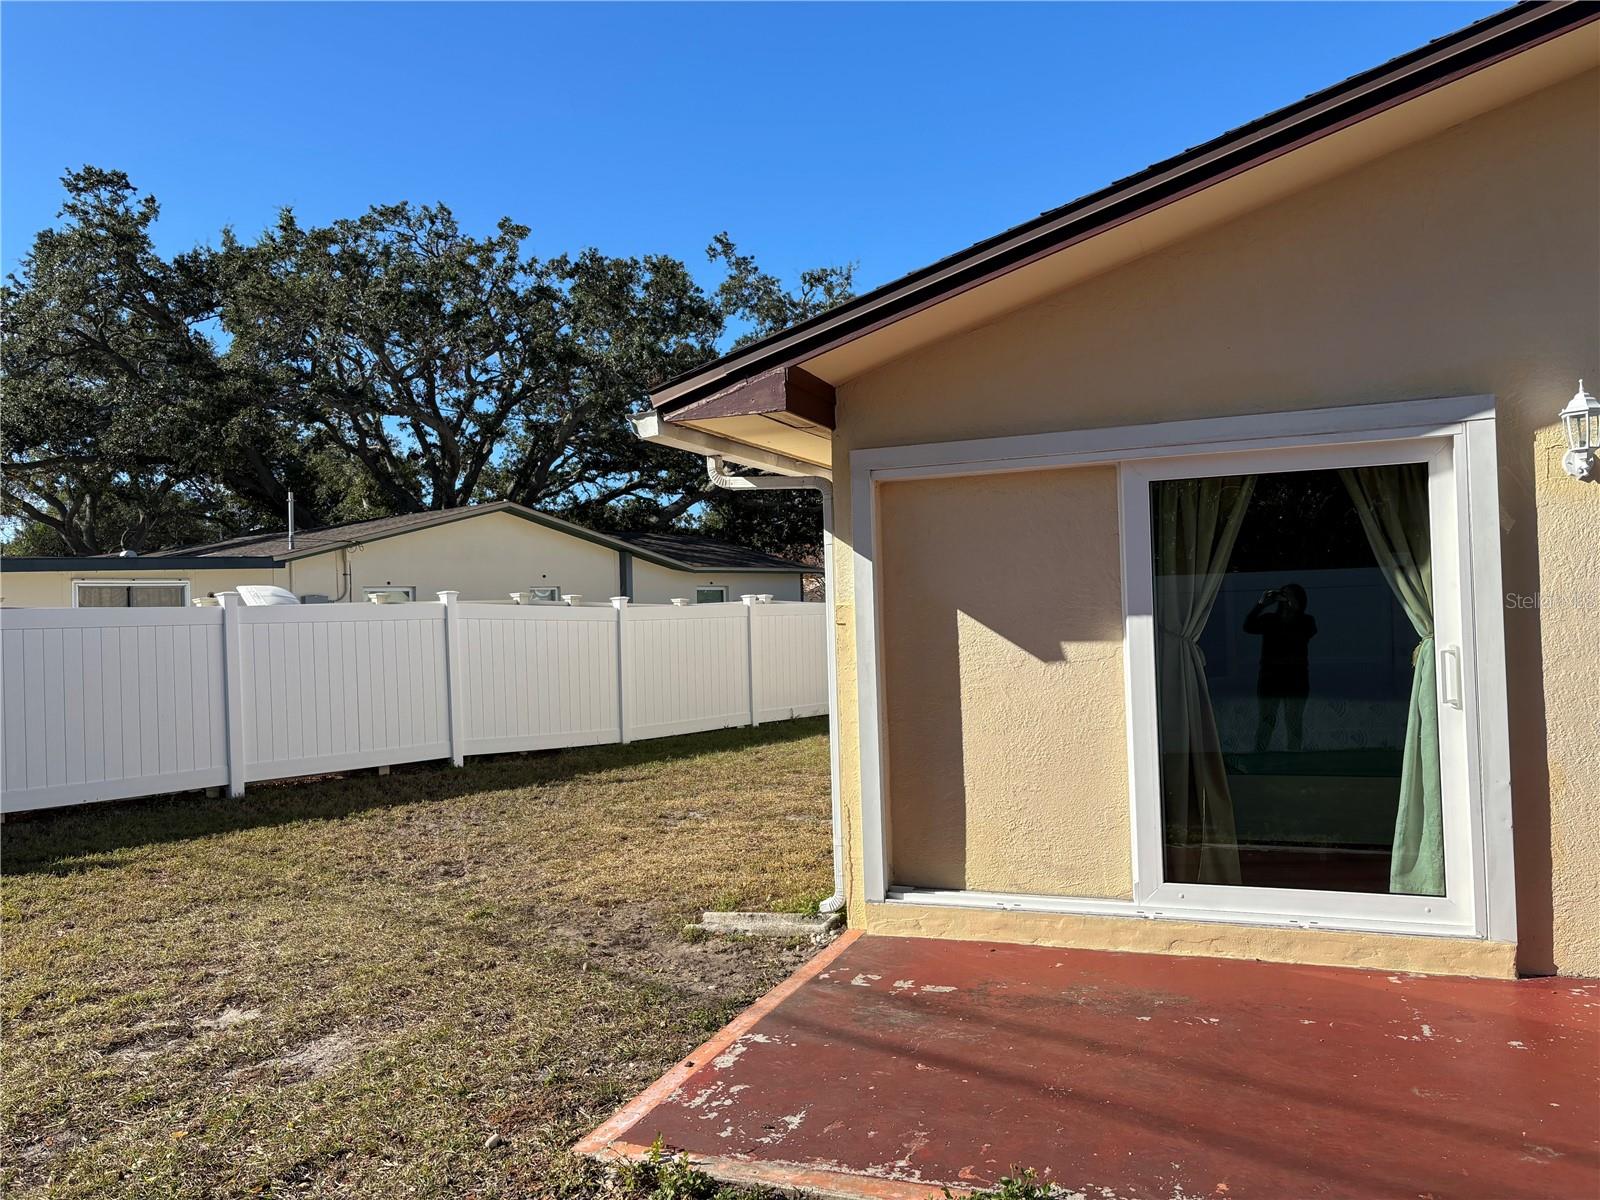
x=385 y=363
x=120 y=426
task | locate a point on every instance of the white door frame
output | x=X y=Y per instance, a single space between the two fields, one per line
x=1462 y=428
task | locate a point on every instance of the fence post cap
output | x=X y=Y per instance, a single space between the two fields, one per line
x=574 y=599
x=619 y=602
x=228 y=599
x=449 y=597
x=752 y=598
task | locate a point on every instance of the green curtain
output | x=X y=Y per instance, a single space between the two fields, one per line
x=1196 y=524
x=1393 y=505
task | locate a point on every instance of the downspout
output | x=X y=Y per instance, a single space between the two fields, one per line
x=344 y=560
x=779 y=483
x=625 y=573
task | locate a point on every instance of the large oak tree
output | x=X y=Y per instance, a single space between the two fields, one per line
x=384 y=363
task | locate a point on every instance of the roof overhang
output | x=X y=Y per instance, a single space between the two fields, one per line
x=122 y=566
x=708 y=438
x=787 y=410
x=759 y=396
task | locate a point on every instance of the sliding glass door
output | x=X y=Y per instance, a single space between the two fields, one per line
x=1299 y=703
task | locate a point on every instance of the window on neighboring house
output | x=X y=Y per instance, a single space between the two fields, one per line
x=710 y=595
x=545 y=593
x=131 y=593
x=405 y=589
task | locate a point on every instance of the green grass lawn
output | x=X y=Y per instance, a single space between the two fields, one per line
x=347 y=987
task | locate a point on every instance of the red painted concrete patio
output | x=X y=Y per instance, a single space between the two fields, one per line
x=891 y=1067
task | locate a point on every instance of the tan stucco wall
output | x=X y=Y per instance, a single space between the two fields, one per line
x=53 y=589
x=1463 y=265
x=1328 y=948
x=1004 y=683
x=655 y=584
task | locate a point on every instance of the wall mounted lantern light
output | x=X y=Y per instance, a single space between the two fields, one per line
x=1581 y=420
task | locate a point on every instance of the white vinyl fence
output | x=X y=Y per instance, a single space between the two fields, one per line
x=104 y=703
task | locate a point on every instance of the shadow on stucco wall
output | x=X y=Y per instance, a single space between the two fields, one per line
x=1522 y=453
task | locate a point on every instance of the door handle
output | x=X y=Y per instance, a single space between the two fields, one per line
x=1450 y=675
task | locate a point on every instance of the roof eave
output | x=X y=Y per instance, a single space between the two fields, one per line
x=190 y=562
x=509 y=507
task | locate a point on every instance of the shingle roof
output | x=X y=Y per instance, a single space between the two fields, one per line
x=707 y=553
x=276 y=545
x=672 y=549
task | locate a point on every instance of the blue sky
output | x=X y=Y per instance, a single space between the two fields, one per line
x=887 y=134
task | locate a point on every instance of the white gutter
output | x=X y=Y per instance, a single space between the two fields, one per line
x=818 y=483
x=651 y=428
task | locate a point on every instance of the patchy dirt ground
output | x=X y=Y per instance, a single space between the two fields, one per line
x=627 y=941
x=423 y=985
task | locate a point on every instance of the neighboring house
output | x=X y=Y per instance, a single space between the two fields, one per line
x=1207 y=578
x=485 y=552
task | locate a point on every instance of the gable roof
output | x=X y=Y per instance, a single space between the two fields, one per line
x=1408 y=76
x=680 y=551
x=707 y=554
x=275 y=545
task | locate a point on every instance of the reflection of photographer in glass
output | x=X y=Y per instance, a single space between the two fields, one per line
x=1280 y=620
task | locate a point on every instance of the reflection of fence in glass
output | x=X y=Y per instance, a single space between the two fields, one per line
x=110 y=703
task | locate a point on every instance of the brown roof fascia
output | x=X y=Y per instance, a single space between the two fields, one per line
x=1441 y=61
x=791 y=390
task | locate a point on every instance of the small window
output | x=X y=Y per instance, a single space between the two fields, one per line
x=392 y=591
x=710 y=595
x=131 y=593
x=545 y=593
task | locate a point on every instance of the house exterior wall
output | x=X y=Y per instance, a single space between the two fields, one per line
x=1462 y=265
x=1004 y=702
x=486 y=557
x=53 y=589
x=655 y=584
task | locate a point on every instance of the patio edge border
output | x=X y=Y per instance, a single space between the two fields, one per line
x=630 y=1114
x=821 y=1183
